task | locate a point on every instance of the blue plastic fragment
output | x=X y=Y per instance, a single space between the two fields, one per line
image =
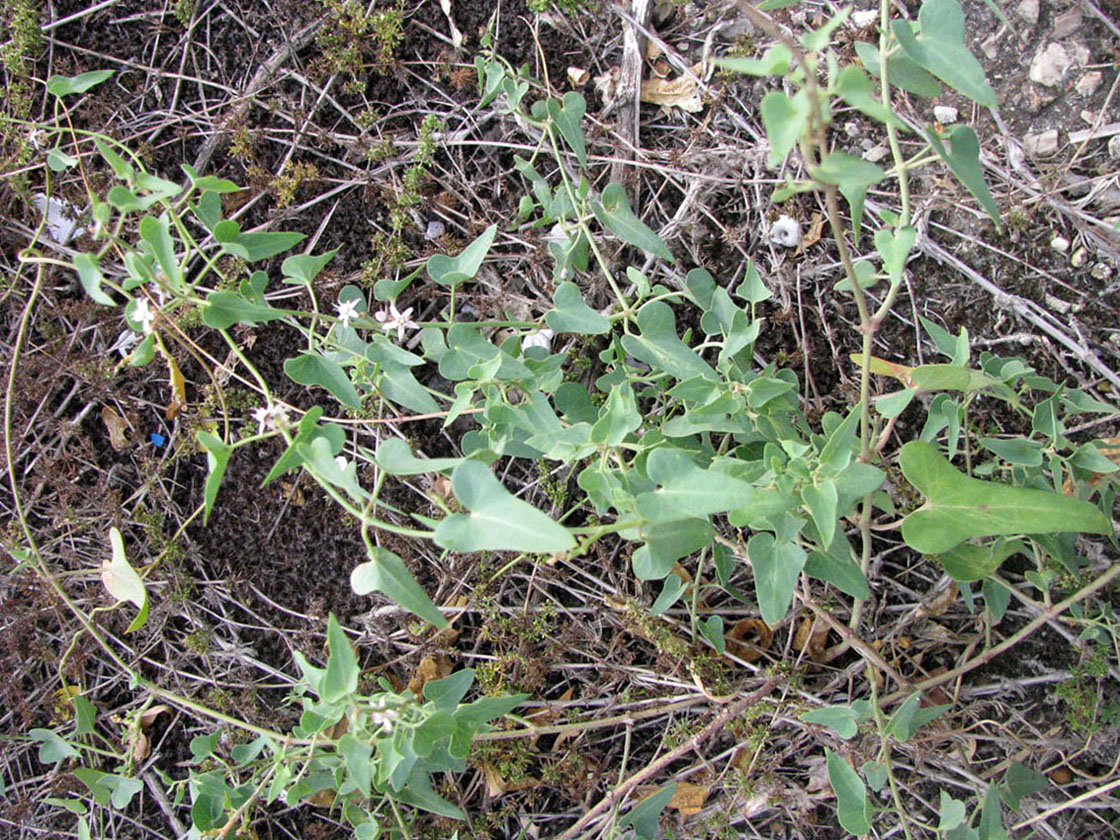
x=158 y=439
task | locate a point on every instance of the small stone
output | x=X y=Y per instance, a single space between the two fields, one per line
x=945 y=114
x=435 y=230
x=1059 y=243
x=1050 y=66
x=876 y=153
x=991 y=47
x=1101 y=271
x=866 y=17
x=1067 y=23
x=1079 y=257
x=1079 y=53
x=1089 y=117
x=1056 y=304
x=1114 y=147
x=1028 y=11
x=1043 y=143
x=1087 y=85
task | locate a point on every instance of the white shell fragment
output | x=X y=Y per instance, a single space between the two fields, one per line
x=945 y=114
x=61 y=216
x=786 y=232
x=435 y=230
x=541 y=338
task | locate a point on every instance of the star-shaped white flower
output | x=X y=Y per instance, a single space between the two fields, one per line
x=347 y=311
x=270 y=417
x=394 y=320
x=143 y=315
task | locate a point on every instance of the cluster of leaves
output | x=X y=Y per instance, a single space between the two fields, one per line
x=678 y=438
x=363 y=753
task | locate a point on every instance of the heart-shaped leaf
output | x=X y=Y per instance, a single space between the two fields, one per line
x=313 y=369
x=958 y=508
x=776 y=569
x=386 y=573
x=963 y=158
x=941 y=49
x=451 y=271
x=498 y=520
x=616 y=216
x=572 y=315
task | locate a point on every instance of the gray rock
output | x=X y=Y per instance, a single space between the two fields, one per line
x=1050 y=65
x=1028 y=11
x=1042 y=143
x=1087 y=85
x=1067 y=23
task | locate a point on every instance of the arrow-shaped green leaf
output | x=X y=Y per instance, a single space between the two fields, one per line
x=958 y=508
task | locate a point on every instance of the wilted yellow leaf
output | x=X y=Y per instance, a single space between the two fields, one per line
x=689 y=798
x=117 y=427
x=430 y=668
x=679 y=92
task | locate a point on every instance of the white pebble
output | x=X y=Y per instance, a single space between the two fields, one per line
x=1059 y=243
x=945 y=114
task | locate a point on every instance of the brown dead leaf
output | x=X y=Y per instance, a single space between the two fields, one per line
x=885 y=368
x=442 y=488
x=939 y=603
x=653 y=49
x=338 y=729
x=680 y=92
x=234 y=201
x=748 y=639
x=117 y=427
x=813 y=234
x=149 y=715
x=496 y=786
x=322 y=798
x=178 y=384
x=548 y=715
x=292 y=493
x=434 y=667
x=1061 y=776
x=811 y=637
x=140 y=746
x=689 y=798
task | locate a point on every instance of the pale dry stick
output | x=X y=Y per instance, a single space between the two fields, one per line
x=655 y=767
x=852 y=640
x=78 y=15
x=160 y=796
x=1077 y=800
x=1011 y=641
x=629 y=96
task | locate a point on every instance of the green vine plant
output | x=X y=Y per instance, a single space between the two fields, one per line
x=683 y=446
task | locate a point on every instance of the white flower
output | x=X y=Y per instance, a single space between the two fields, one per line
x=126 y=340
x=271 y=417
x=394 y=320
x=347 y=311
x=143 y=315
